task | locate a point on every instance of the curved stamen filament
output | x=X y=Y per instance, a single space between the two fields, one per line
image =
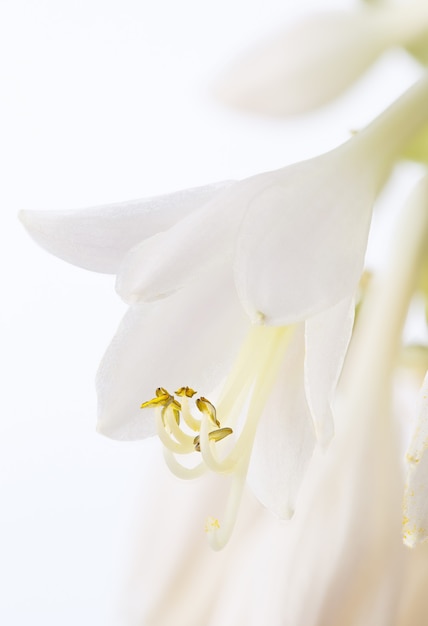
x=238 y=460
x=207 y=447
x=181 y=471
x=243 y=399
x=219 y=533
x=270 y=358
x=242 y=374
x=193 y=423
x=167 y=440
x=169 y=419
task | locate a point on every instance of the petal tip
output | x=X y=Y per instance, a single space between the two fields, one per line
x=286 y=513
x=28 y=219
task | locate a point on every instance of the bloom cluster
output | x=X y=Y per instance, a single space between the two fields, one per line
x=265 y=276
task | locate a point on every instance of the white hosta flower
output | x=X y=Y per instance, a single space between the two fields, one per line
x=289 y=246
x=341 y=561
x=312 y=63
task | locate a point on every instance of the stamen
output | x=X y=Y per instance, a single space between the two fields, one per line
x=181 y=471
x=211 y=524
x=208 y=409
x=179 y=447
x=244 y=396
x=219 y=534
x=172 y=427
x=214 y=435
x=188 y=392
x=192 y=423
x=159 y=400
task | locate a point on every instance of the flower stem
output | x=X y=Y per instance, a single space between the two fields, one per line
x=386 y=137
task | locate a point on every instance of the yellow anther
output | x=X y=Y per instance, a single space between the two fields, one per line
x=215 y=435
x=221 y=433
x=160 y=400
x=208 y=409
x=185 y=391
x=211 y=524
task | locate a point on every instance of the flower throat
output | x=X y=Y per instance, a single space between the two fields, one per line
x=221 y=439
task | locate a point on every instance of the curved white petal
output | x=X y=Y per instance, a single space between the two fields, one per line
x=327 y=337
x=320 y=57
x=285 y=436
x=304 y=228
x=307 y=66
x=98 y=238
x=302 y=242
x=168 y=261
x=348 y=527
x=415 y=519
x=188 y=339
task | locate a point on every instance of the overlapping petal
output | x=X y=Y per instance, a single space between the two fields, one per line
x=299 y=236
x=285 y=437
x=298 y=413
x=170 y=343
x=98 y=238
x=327 y=336
x=301 y=245
x=164 y=263
x=299 y=233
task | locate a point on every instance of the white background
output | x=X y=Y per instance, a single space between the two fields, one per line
x=103 y=101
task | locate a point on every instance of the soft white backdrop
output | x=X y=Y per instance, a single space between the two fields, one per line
x=103 y=101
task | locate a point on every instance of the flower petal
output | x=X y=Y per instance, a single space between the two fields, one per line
x=307 y=66
x=415 y=514
x=188 y=339
x=166 y=262
x=98 y=238
x=347 y=526
x=285 y=436
x=302 y=242
x=327 y=337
